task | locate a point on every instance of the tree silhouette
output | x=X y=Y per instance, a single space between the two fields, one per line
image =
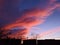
x=4 y=34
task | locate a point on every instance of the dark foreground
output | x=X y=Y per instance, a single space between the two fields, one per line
x=28 y=42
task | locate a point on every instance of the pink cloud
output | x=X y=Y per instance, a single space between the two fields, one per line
x=32 y=18
x=49 y=32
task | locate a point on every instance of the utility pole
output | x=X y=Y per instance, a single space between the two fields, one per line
x=21 y=41
x=36 y=40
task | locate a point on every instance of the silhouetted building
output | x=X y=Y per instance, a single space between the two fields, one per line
x=29 y=42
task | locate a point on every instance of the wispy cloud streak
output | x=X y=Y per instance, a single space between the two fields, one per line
x=49 y=32
x=32 y=18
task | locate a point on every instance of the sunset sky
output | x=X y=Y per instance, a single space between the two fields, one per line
x=26 y=17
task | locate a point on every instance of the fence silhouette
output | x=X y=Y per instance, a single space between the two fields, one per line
x=27 y=42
